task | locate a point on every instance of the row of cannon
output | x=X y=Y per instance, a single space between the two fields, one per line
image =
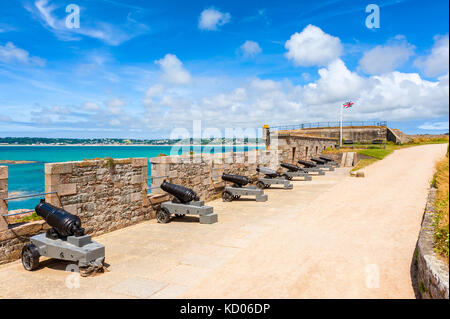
x=186 y=202
x=66 y=239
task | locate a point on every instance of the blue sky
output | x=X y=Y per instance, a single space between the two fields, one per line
x=139 y=69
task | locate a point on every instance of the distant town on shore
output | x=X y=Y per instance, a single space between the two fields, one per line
x=120 y=141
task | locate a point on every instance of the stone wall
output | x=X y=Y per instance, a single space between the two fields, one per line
x=13 y=238
x=203 y=172
x=293 y=147
x=3 y=194
x=432 y=273
x=105 y=194
x=356 y=133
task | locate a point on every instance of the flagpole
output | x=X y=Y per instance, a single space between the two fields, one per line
x=340 y=135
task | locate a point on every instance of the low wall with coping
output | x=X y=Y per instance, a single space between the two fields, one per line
x=3 y=194
x=364 y=134
x=432 y=272
x=105 y=194
x=203 y=172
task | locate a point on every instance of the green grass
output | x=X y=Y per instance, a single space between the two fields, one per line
x=376 y=153
x=31 y=218
x=363 y=163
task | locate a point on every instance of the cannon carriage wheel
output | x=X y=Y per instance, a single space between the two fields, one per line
x=30 y=257
x=163 y=215
x=260 y=185
x=227 y=196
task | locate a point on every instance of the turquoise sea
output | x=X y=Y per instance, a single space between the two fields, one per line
x=29 y=178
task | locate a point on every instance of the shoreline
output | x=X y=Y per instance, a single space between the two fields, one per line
x=135 y=145
x=16 y=162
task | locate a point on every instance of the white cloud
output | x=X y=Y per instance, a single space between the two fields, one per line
x=173 y=70
x=392 y=96
x=250 y=48
x=336 y=83
x=9 y=53
x=211 y=18
x=386 y=58
x=434 y=126
x=115 y=106
x=313 y=47
x=437 y=62
x=114 y=122
x=112 y=34
x=5 y=118
x=90 y=106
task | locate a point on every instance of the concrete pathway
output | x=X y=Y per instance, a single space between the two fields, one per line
x=334 y=237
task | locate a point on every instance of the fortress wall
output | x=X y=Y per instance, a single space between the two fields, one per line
x=107 y=194
x=355 y=133
x=13 y=239
x=432 y=272
x=296 y=147
x=3 y=194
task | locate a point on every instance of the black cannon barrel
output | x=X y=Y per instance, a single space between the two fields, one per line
x=62 y=221
x=307 y=163
x=318 y=160
x=267 y=171
x=326 y=158
x=183 y=194
x=290 y=167
x=238 y=180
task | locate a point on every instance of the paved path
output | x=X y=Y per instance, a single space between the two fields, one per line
x=334 y=237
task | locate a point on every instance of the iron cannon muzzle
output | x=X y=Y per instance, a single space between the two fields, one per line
x=183 y=194
x=318 y=160
x=307 y=163
x=290 y=167
x=63 y=222
x=237 y=180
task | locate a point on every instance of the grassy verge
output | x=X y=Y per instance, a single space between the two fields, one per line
x=441 y=204
x=378 y=152
x=363 y=163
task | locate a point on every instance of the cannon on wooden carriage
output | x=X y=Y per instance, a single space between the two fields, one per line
x=65 y=240
x=185 y=202
x=271 y=177
x=239 y=189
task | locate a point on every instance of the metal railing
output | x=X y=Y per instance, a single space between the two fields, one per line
x=151 y=180
x=21 y=197
x=326 y=124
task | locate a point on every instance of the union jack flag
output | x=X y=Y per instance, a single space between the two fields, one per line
x=348 y=104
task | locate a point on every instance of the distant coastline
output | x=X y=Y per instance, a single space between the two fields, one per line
x=94 y=145
x=16 y=162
